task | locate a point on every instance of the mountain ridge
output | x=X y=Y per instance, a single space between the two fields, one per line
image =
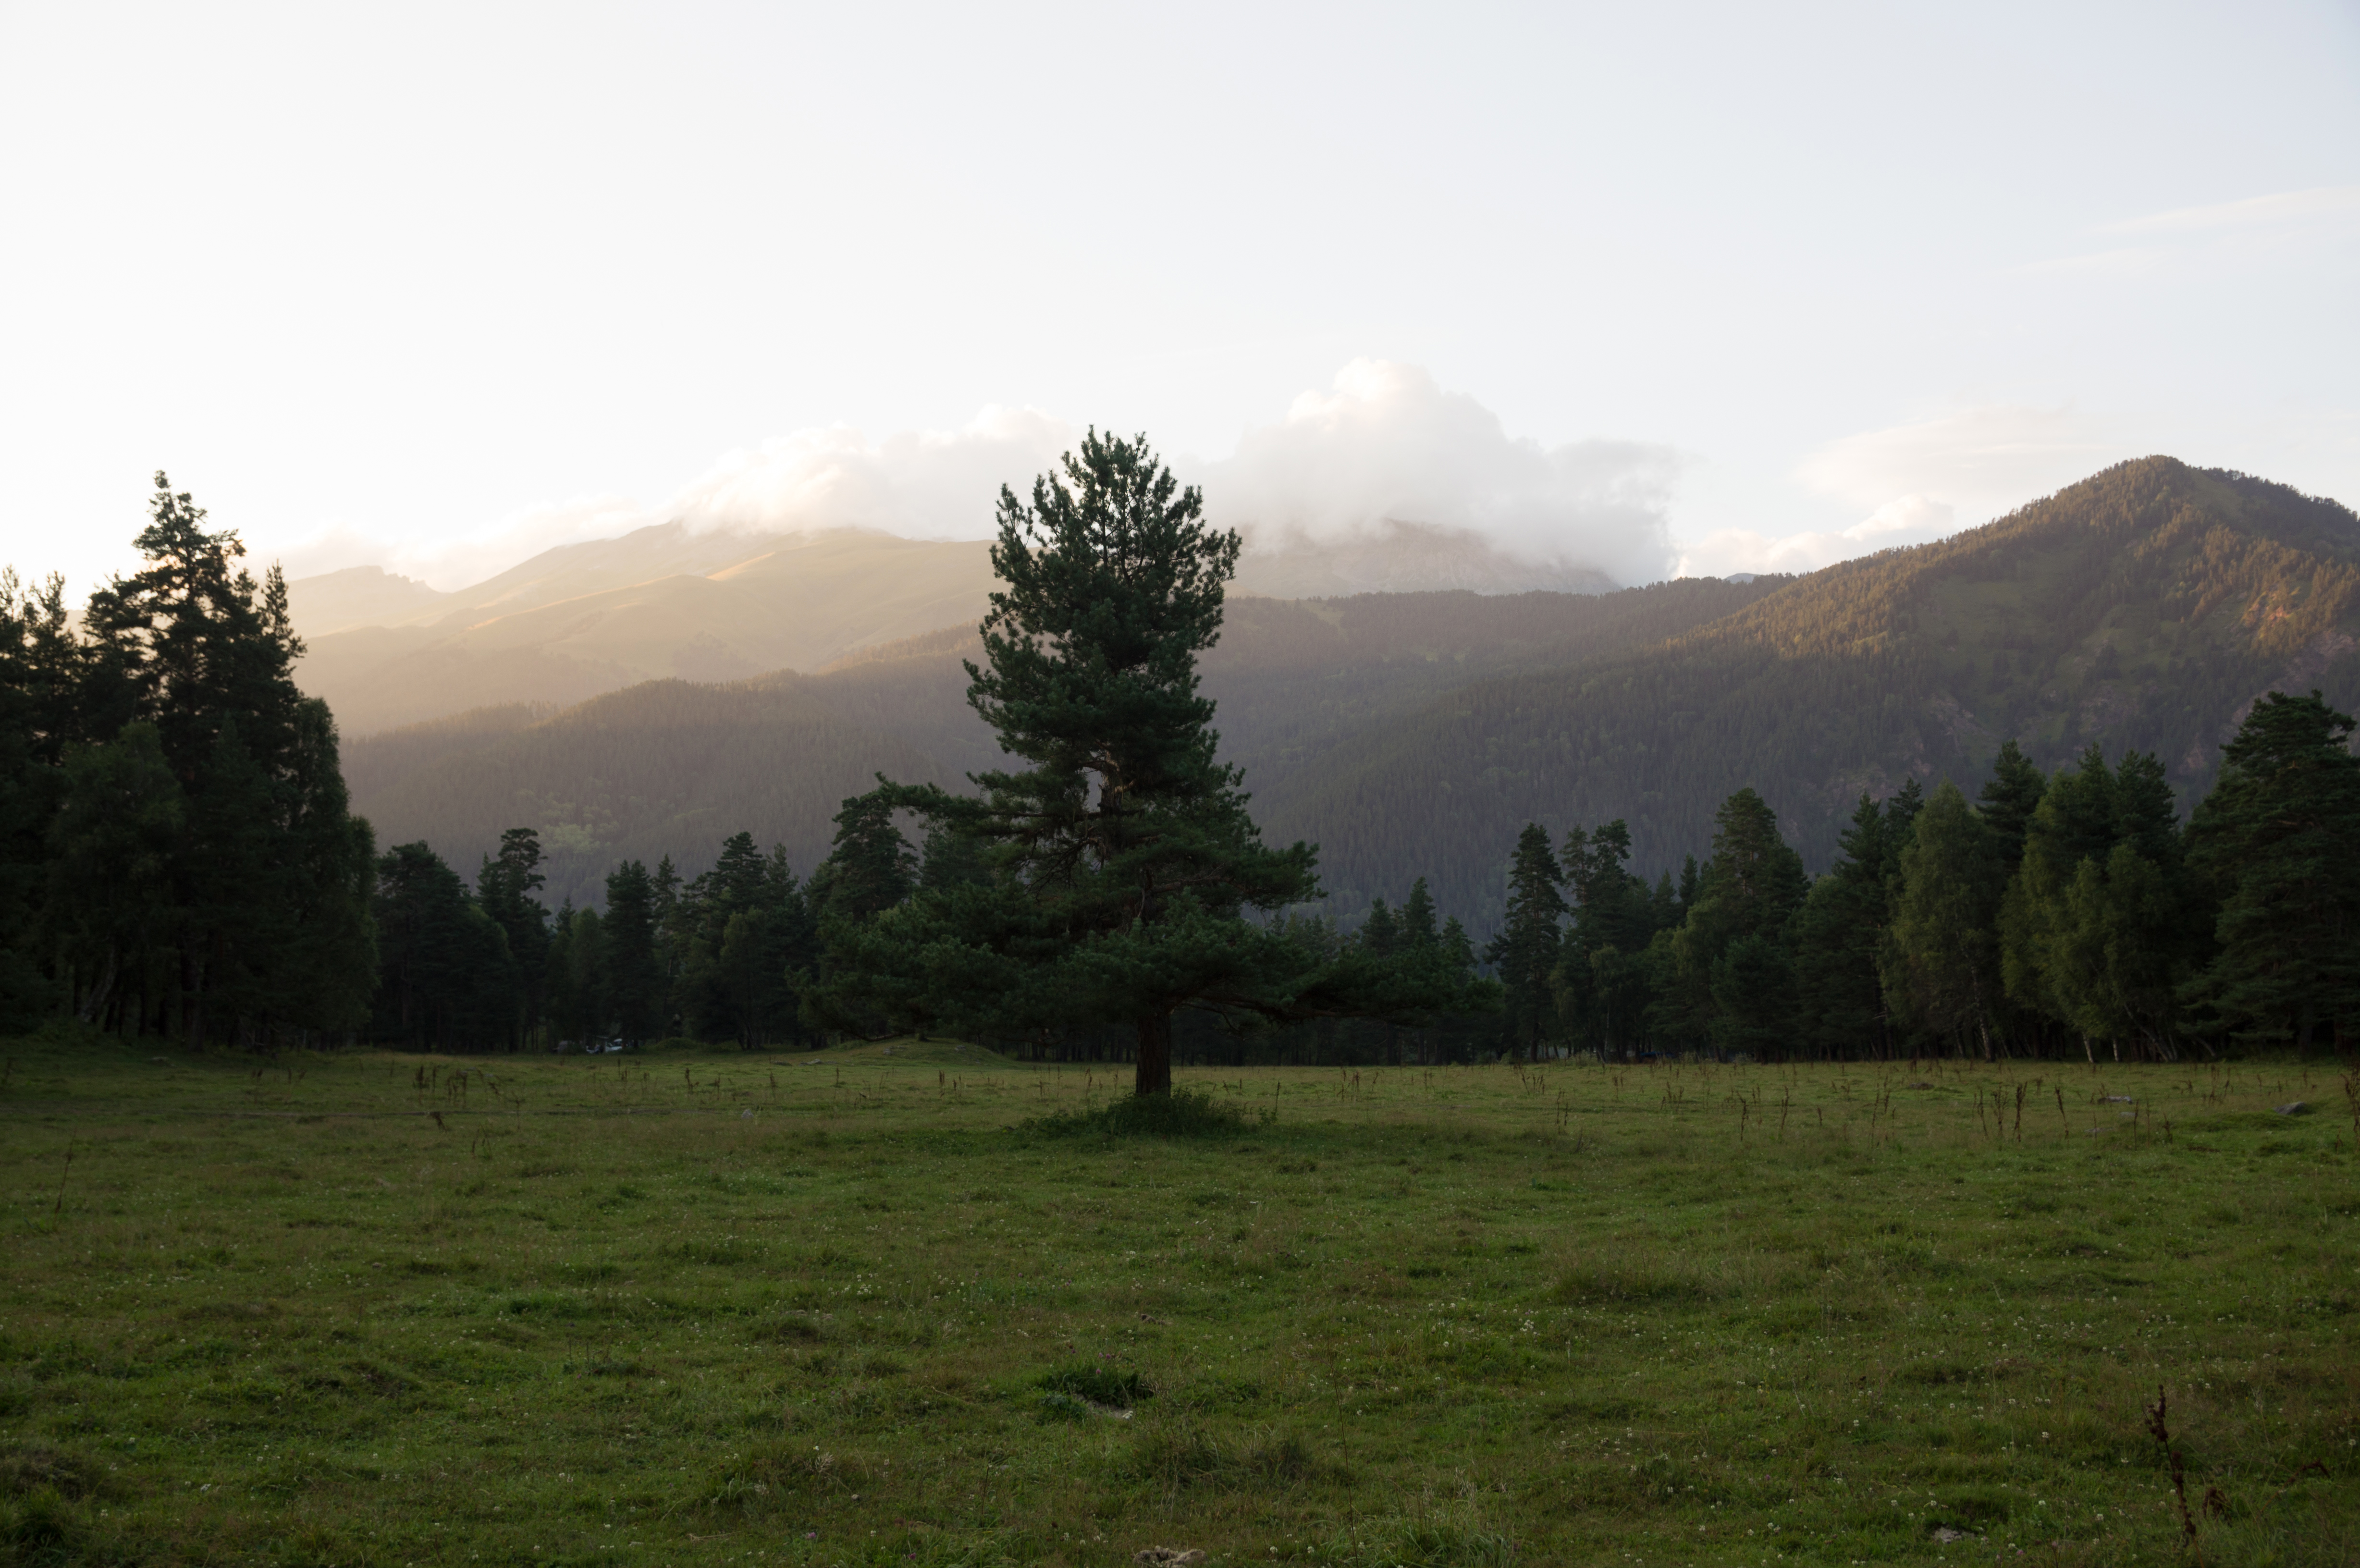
x=1412 y=734
x=667 y=602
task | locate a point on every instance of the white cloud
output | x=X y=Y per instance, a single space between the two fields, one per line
x=2253 y=227
x=1978 y=461
x=1386 y=444
x=458 y=559
x=1906 y=519
x=2326 y=202
x=922 y=484
x=1921 y=482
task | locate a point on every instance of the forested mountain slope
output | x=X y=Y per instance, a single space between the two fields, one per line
x=2144 y=608
x=663 y=767
x=644 y=772
x=1413 y=735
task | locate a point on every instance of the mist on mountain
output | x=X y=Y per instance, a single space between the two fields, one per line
x=673 y=602
x=1410 y=735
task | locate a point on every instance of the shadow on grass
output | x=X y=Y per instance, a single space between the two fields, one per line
x=1183 y=1114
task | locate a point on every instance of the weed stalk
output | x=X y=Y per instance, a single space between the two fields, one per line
x=2179 y=1470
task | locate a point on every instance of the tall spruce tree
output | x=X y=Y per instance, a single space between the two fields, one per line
x=1836 y=933
x=2009 y=800
x=1526 y=951
x=2278 y=841
x=635 y=989
x=505 y=885
x=1122 y=864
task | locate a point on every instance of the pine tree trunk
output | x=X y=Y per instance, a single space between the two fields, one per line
x=1155 y=1075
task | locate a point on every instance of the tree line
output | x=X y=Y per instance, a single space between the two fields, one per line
x=2069 y=914
x=177 y=857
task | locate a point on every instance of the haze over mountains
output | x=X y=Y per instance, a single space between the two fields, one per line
x=721 y=605
x=1408 y=734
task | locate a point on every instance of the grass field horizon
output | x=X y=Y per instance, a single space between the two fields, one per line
x=911 y=1303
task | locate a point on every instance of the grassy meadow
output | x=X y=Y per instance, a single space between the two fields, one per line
x=919 y=1305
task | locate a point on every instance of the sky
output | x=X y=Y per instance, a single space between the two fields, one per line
x=1663 y=288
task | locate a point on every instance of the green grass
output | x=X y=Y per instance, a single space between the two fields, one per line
x=934 y=1308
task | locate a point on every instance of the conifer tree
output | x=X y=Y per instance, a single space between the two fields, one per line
x=1526 y=951
x=1414 y=921
x=271 y=880
x=448 y=980
x=635 y=989
x=2009 y=800
x=2278 y=840
x=1941 y=962
x=580 y=1005
x=1836 y=934
x=1733 y=964
x=870 y=868
x=505 y=885
x=41 y=669
x=1123 y=862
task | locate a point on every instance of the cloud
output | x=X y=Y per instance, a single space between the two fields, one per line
x=1921 y=482
x=1978 y=461
x=2253 y=227
x=1385 y=444
x=458 y=559
x=2326 y=201
x=1904 y=520
x=920 y=483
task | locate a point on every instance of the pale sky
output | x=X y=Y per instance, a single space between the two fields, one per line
x=1701 y=288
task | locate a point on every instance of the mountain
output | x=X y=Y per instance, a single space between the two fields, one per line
x=670 y=767
x=659 y=603
x=2144 y=608
x=1412 y=734
x=358 y=596
x=667 y=602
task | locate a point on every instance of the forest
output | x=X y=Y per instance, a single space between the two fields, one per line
x=181 y=858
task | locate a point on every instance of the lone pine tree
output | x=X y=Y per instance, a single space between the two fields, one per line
x=1113 y=877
